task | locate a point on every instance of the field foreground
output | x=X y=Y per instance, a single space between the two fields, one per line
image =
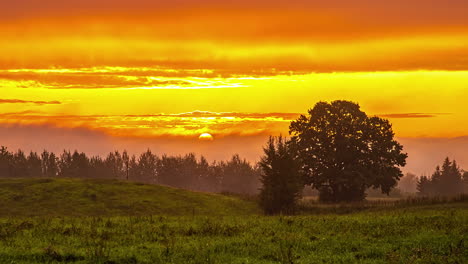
x=415 y=235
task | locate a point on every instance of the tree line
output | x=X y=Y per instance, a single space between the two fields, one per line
x=447 y=180
x=189 y=172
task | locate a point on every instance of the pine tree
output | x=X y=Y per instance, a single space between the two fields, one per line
x=445 y=181
x=424 y=186
x=280 y=177
x=34 y=165
x=5 y=162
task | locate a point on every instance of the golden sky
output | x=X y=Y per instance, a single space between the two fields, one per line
x=153 y=69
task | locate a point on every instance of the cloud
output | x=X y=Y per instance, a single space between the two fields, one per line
x=187 y=124
x=413 y=115
x=18 y=101
x=197 y=113
x=190 y=124
x=415 y=11
x=109 y=78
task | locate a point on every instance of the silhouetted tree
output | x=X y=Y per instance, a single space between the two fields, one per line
x=99 y=168
x=115 y=165
x=133 y=171
x=281 y=179
x=169 y=171
x=465 y=181
x=189 y=171
x=19 y=165
x=215 y=177
x=74 y=165
x=445 y=181
x=344 y=152
x=424 y=186
x=408 y=183
x=65 y=164
x=5 y=162
x=34 y=165
x=239 y=176
x=146 y=168
x=80 y=167
x=49 y=165
x=208 y=176
x=126 y=164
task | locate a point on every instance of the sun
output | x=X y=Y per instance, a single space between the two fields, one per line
x=206 y=137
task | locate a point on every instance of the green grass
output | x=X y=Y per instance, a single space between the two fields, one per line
x=75 y=197
x=426 y=235
x=426 y=232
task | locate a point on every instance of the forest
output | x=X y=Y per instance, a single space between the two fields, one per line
x=187 y=172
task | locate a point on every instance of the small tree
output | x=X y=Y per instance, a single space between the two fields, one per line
x=146 y=168
x=5 y=162
x=424 y=186
x=239 y=176
x=344 y=152
x=34 y=165
x=49 y=164
x=282 y=184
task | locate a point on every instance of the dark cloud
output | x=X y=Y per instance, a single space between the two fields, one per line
x=190 y=124
x=413 y=115
x=417 y=9
x=18 y=101
x=285 y=116
x=88 y=80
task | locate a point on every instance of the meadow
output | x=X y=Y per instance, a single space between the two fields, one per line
x=425 y=231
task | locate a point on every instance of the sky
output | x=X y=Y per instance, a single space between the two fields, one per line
x=103 y=75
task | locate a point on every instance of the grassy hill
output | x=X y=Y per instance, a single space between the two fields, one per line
x=78 y=197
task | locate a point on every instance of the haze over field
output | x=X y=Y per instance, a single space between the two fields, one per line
x=105 y=75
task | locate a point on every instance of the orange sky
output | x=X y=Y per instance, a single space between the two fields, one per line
x=151 y=70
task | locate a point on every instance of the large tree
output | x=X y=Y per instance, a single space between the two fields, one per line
x=344 y=152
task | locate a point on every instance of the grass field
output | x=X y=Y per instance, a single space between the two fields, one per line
x=425 y=233
x=77 y=197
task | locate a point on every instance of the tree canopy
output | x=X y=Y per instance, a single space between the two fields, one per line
x=343 y=151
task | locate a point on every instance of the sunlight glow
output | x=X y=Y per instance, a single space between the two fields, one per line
x=206 y=137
